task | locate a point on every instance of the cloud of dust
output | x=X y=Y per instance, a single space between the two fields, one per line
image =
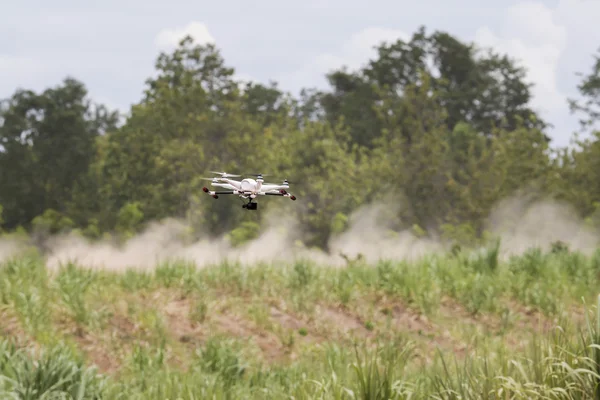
x=10 y=248
x=370 y=234
x=165 y=241
x=367 y=235
x=520 y=223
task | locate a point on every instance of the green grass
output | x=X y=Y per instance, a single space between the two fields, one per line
x=468 y=326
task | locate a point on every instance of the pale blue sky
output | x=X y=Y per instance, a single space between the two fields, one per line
x=112 y=45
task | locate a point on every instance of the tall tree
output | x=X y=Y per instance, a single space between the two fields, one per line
x=265 y=103
x=589 y=88
x=485 y=89
x=48 y=142
x=321 y=159
x=431 y=125
x=414 y=153
x=192 y=119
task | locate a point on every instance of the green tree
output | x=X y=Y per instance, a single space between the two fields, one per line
x=482 y=88
x=589 y=89
x=48 y=143
x=266 y=103
x=577 y=178
x=432 y=126
x=413 y=154
x=193 y=118
x=320 y=159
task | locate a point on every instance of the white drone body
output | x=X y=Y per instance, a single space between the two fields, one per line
x=248 y=188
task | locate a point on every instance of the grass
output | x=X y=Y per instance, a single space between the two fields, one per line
x=466 y=326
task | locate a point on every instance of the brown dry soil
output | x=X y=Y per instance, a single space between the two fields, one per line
x=283 y=333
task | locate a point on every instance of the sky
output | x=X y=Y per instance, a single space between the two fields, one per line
x=112 y=45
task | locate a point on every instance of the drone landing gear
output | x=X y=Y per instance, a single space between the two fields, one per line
x=250 y=205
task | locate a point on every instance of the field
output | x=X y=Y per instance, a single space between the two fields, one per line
x=466 y=325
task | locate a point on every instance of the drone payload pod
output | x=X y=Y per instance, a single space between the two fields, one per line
x=247 y=188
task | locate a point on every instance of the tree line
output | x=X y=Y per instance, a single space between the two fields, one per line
x=437 y=126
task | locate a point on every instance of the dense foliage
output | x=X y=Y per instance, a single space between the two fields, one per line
x=446 y=128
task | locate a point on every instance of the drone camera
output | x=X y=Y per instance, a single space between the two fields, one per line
x=250 y=206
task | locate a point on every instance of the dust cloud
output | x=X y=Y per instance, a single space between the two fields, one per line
x=370 y=234
x=522 y=223
x=165 y=241
x=519 y=222
x=10 y=248
x=367 y=236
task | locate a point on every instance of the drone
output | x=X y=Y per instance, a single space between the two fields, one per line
x=247 y=188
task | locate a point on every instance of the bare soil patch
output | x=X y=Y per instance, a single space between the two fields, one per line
x=122 y=327
x=302 y=326
x=271 y=346
x=533 y=320
x=431 y=336
x=180 y=325
x=286 y=320
x=220 y=319
x=100 y=347
x=10 y=326
x=12 y=330
x=451 y=309
x=411 y=320
x=346 y=322
x=95 y=350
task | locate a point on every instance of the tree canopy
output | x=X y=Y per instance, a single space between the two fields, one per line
x=445 y=128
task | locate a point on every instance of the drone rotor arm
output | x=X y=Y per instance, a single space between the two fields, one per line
x=216 y=193
x=286 y=194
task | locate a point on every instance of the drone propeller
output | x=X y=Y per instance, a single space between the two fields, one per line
x=287 y=182
x=224 y=174
x=215 y=179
